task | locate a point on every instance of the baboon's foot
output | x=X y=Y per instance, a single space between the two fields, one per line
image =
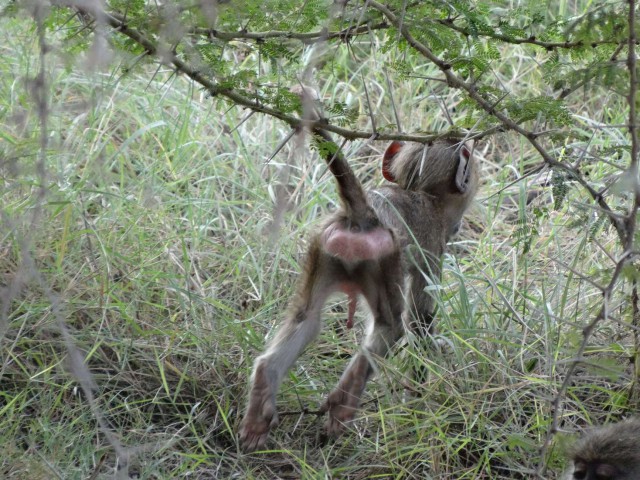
x=260 y=416
x=342 y=403
x=254 y=429
x=342 y=406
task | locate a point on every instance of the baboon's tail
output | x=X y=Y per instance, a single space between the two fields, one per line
x=352 y=195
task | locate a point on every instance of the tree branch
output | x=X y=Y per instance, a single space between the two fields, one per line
x=306 y=38
x=532 y=40
x=166 y=56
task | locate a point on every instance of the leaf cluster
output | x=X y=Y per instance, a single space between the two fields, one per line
x=261 y=44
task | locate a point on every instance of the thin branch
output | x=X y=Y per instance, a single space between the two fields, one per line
x=633 y=127
x=532 y=40
x=345 y=34
x=611 y=62
x=587 y=332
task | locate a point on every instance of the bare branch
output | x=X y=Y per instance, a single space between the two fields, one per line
x=587 y=332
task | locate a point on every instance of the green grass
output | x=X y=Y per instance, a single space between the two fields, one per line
x=154 y=248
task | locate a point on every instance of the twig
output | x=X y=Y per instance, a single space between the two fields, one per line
x=307 y=38
x=531 y=40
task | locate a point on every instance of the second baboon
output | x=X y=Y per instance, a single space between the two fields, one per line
x=607 y=453
x=384 y=245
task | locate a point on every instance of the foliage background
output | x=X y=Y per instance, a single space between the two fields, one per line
x=153 y=221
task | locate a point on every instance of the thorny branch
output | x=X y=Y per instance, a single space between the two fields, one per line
x=531 y=40
x=306 y=38
x=351 y=32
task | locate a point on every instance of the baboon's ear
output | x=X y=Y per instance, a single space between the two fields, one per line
x=463 y=174
x=387 y=159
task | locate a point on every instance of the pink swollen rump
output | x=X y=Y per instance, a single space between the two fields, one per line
x=355 y=247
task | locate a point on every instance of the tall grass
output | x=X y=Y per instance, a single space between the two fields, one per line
x=148 y=249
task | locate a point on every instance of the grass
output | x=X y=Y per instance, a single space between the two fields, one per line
x=141 y=284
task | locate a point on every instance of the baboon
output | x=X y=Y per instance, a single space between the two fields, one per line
x=607 y=453
x=386 y=246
